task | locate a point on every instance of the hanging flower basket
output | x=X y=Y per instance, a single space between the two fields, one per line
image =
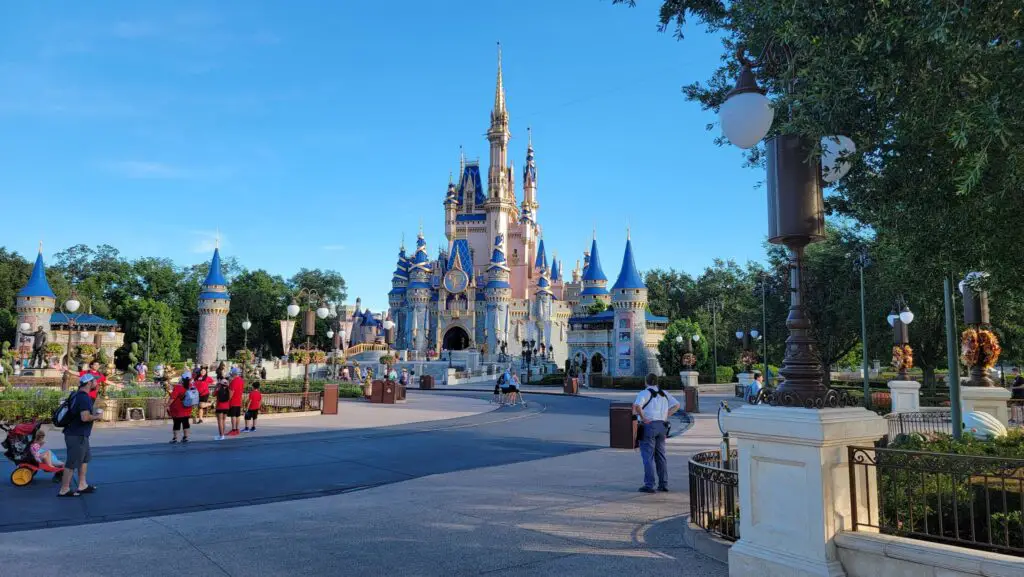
x=902 y=358
x=979 y=348
x=689 y=360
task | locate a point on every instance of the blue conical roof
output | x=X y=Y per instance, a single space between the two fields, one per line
x=420 y=261
x=629 y=278
x=37 y=285
x=542 y=259
x=594 y=272
x=556 y=270
x=216 y=276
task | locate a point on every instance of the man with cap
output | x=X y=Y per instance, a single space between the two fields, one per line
x=94 y=370
x=237 y=387
x=76 y=437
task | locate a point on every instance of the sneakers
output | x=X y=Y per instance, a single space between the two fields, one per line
x=646 y=490
x=663 y=489
x=184 y=440
x=233 y=433
x=173 y=441
x=219 y=438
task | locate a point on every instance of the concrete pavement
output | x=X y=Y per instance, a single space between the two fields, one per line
x=576 y=514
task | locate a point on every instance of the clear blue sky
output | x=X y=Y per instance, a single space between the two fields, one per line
x=314 y=133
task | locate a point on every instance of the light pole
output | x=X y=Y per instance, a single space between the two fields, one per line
x=148 y=319
x=308 y=329
x=899 y=319
x=69 y=307
x=764 y=325
x=246 y=325
x=862 y=262
x=796 y=218
x=714 y=306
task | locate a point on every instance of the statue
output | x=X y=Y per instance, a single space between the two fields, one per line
x=465 y=343
x=38 y=349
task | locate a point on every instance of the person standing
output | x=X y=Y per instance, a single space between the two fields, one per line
x=253 y=410
x=653 y=407
x=237 y=387
x=222 y=394
x=76 y=438
x=202 y=381
x=177 y=410
x=94 y=370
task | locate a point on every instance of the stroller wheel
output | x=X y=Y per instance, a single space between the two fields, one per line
x=22 y=476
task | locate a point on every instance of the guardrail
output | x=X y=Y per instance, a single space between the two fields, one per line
x=924 y=422
x=969 y=501
x=714 y=494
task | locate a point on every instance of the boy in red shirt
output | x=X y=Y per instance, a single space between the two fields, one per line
x=237 y=386
x=94 y=370
x=253 y=411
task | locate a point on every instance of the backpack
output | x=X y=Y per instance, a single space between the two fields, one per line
x=223 y=393
x=63 y=416
x=191 y=398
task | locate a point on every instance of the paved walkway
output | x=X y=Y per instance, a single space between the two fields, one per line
x=352 y=414
x=577 y=514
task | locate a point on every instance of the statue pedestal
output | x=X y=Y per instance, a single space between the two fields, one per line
x=688 y=379
x=991 y=400
x=906 y=396
x=794 y=487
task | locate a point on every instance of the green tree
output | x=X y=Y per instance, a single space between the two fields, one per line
x=670 y=352
x=328 y=284
x=262 y=298
x=669 y=293
x=152 y=322
x=597 y=307
x=14 y=272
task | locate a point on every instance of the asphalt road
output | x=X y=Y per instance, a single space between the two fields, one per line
x=147 y=480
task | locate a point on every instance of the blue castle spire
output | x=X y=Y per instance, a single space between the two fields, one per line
x=594 y=272
x=37 y=285
x=542 y=258
x=629 y=278
x=556 y=270
x=215 y=285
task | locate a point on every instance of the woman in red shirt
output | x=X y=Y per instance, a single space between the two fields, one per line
x=237 y=387
x=178 y=411
x=221 y=392
x=202 y=381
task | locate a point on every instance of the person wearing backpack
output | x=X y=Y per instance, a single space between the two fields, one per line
x=75 y=416
x=653 y=407
x=236 y=389
x=222 y=394
x=182 y=398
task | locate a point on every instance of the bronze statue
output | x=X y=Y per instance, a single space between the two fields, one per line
x=38 y=359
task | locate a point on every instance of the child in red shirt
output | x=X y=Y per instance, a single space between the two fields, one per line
x=202 y=381
x=253 y=411
x=94 y=370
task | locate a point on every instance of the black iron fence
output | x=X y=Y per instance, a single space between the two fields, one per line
x=714 y=494
x=923 y=422
x=288 y=402
x=969 y=501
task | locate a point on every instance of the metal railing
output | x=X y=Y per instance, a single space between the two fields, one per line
x=288 y=402
x=1016 y=410
x=714 y=494
x=923 y=422
x=968 y=501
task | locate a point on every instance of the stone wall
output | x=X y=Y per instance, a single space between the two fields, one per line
x=876 y=555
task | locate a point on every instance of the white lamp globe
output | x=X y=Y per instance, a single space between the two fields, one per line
x=333 y=310
x=25 y=327
x=833 y=148
x=341 y=333
x=892 y=318
x=322 y=312
x=246 y=325
x=111 y=335
x=679 y=338
x=72 y=304
x=293 y=309
x=330 y=334
x=746 y=118
x=696 y=338
x=755 y=333
x=906 y=317
x=739 y=334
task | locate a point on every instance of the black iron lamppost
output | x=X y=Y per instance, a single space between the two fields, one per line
x=764 y=289
x=314 y=309
x=69 y=307
x=689 y=348
x=796 y=218
x=900 y=337
x=714 y=306
x=862 y=262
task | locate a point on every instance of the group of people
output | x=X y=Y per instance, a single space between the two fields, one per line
x=189 y=398
x=506 y=387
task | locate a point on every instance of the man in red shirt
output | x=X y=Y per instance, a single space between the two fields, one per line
x=237 y=386
x=100 y=378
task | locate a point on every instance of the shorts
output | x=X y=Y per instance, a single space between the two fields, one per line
x=235 y=411
x=180 y=423
x=222 y=411
x=79 y=452
x=251 y=414
x=204 y=398
x=508 y=390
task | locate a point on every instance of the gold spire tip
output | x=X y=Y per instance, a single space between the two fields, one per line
x=40 y=246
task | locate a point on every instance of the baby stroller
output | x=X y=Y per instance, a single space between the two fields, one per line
x=17 y=448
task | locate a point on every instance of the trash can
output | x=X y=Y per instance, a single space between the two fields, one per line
x=399 y=392
x=426 y=381
x=329 y=406
x=571 y=386
x=692 y=404
x=621 y=426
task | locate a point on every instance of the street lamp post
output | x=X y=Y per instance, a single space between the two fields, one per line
x=764 y=325
x=246 y=325
x=862 y=262
x=899 y=319
x=714 y=306
x=69 y=307
x=308 y=329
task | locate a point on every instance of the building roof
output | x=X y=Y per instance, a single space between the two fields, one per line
x=594 y=272
x=498 y=255
x=216 y=276
x=461 y=255
x=629 y=278
x=542 y=258
x=60 y=318
x=471 y=177
x=37 y=285
x=556 y=270
x=497 y=284
x=608 y=315
x=420 y=261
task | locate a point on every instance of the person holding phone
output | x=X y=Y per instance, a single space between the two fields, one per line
x=76 y=438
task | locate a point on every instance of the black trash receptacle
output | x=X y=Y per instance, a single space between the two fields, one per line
x=621 y=426
x=427 y=382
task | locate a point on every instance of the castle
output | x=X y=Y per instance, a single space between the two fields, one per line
x=493 y=288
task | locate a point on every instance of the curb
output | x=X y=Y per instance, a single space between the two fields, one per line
x=705 y=543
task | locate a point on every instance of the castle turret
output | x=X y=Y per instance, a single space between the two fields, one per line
x=530 y=204
x=35 y=302
x=594 y=282
x=501 y=197
x=542 y=257
x=214 y=303
x=543 y=312
x=396 y=297
x=498 y=295
x=418 y=294
x=629 y=298
x=451 y=206
x=557 y=284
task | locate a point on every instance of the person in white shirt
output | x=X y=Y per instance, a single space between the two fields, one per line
x=755 y=387
x=653 y=407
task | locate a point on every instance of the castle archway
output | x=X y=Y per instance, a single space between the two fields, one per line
x=597 y=363
x=456 y=339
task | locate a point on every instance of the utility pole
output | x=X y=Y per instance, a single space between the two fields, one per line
x=952 y=363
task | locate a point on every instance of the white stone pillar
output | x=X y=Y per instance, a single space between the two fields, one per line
x=991 y=400
x=794 y=486
x=906 y=396
x=688 y=378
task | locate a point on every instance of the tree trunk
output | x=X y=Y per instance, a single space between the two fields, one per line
x=928 y=376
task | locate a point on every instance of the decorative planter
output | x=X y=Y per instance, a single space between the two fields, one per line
x=111 y=410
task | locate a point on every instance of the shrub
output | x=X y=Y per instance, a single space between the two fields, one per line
x=724 y=375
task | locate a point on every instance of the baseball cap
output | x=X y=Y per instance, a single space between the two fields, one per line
x=86 y=379
x=235 y=371
x=186 y=375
